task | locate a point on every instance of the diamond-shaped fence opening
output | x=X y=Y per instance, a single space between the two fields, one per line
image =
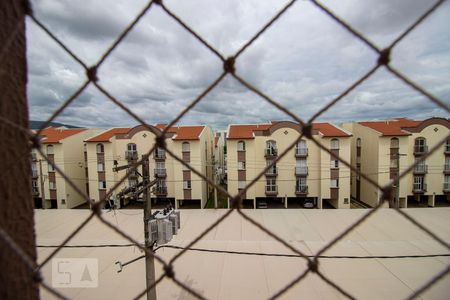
x=229 y=69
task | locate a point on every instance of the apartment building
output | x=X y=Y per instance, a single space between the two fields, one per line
x=305 y=174
x=110 y=154
x=64 y=147
x=383 y=148
x=220 y=154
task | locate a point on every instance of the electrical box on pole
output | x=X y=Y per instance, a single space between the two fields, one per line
x=163 y=225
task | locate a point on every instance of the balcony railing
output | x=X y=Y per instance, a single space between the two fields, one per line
x=33 y=156
x=160 y=190
x=301 y=170
x=418 y=150
x=419 y=187
x=446 y=168
x=271 y=152
x=447 y=186
x=301 y=152
x=447 y=149
x=420 y=169
x=160 y=172
x=358 y=160
x=35 y=191
x=130 y=154
x=273 y=171
x=301 y=189
x=34 y=173
x=159 y=154
x=271 y=189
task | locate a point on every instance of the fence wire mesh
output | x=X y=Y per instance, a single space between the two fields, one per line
x=229 y=69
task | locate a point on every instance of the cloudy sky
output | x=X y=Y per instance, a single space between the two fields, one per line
x=303 y=61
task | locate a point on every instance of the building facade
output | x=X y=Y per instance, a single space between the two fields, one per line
x=111 y=153
x=305 y=174
x=63 y=147
x=383 y=148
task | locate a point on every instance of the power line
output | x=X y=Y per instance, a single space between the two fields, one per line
x=251 y=253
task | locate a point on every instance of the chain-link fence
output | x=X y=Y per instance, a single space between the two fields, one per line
x=229 y=69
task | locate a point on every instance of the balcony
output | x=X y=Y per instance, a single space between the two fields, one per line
x=271 y=190
x=271 y=152
x=420 y=169
x=419 y=188
x=273 y=171
x=301 y=170
x=160 y=172
x=159 y=154
x=446 y=187
x=160 y=190
x=301 y=152
x=301 y=190
x=35 y=192
x=131 y=155
x=447 y=169
x=34 y=173
x=420 y=150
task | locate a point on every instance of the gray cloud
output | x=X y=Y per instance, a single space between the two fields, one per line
x=303 y=61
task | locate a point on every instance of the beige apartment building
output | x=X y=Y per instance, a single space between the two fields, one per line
x=64 y=147
x=382 y=148
x=306 y=174
x=110 y=154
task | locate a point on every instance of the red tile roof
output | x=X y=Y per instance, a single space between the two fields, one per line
x=329 y=130
x=187 y=132
x=246 y=131
x=53 y=135
x=106 y=135
x=391 y=127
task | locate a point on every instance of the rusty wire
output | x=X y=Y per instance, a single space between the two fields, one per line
x=236 y=200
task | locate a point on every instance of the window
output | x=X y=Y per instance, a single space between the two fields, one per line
x=187 y=184
x=271 y=185
x=102 y=185
x=273 y=169
x=51 y=168
x=447 y=182
x=52 y=185
x=418 y=183
x=394 y=143
x=160 y=165
x=334 y=164
x=132 y=182
x=161 y=153
x=300 y=184
x=131 y=147
x=358 y=142
x=393 y=164
x=300 y=167
x=241 y=185
x=334 y=144
x=271 y=148
x=50 y=149
x=420 y=145
x=186 y=147
x=301 y=148
x=100 y=148
x=447 y=163
x=241 y=146
x=447 y=146
x=334 y=183
x=85 y=147
x=34 y=183
x=241 y=165
x=101 y=167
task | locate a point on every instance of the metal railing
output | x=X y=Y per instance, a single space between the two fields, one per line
x=131 y=154
x=420 y=169
x=301 y=170
x=383 y=61
x=419 y=187
x=301 y=189
x=301 y=152
x=419 y=150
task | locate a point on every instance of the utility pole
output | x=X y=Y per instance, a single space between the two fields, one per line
x=41 y=178
x=149 y=260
